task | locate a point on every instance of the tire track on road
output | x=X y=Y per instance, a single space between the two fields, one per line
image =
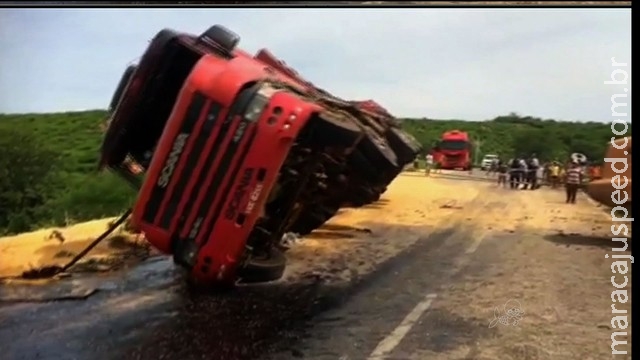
x=387 y=345
x=374 y=306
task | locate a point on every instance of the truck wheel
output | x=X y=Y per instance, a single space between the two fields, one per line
x=360 y=196
x=404 y=145
x=183 y=252
x=334 y=130
x=310 y=221
x=223 y=37
x=111 y=152
x=378 y=174
x=263 y=268
x=378 y=151
x=124 y=80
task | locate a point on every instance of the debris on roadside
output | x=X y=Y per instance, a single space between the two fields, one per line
x=363 y=230
x=41 y=273
x=64 y=254
x=56 y=235
x=289 y=239
x=451 y=205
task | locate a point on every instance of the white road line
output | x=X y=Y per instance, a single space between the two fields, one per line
x=386 y=346
x=476 y=243
x=393 y=339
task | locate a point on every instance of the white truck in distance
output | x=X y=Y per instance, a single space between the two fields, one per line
x=487 y=160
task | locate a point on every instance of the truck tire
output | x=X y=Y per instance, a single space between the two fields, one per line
x=336 y=131
x=114 y=132
x=310 y=221
x=124 y=81
x=403 y=144
x=267 y=267
x=223 y=37
x=378 y=151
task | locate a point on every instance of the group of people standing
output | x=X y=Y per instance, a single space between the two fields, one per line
x=528 y=173
x=429 y=165
x=519 y=172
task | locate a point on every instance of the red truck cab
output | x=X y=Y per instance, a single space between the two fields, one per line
x=454 y=150
x=228 y=152
x=207 y=115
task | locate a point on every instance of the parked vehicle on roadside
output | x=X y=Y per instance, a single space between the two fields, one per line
x=487 y=161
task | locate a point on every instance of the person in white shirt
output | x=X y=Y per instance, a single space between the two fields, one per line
x=523 y=171
x=428 y=159
x=531 y=174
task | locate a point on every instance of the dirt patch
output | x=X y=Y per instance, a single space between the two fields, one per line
x=560 y=274
x=355 y=242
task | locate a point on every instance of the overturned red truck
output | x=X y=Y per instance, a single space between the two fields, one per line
x=236 y=150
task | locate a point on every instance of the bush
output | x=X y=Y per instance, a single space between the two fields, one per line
x=26 y=169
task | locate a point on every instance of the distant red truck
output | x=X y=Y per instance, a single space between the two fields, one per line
x=453 y=151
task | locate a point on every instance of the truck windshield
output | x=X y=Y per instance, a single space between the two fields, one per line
x=454 y=145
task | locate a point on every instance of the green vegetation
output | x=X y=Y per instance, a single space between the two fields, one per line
x=48 y=173
x=48 y=170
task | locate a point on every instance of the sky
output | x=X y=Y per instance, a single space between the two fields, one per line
x=471 y=64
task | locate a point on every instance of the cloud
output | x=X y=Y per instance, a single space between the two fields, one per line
x=437 y=63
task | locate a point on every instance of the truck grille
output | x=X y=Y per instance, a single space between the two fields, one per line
x=235 y=125
x=188 y=124
x=244 y=128
x=190 y=166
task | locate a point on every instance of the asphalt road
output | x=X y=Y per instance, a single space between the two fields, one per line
x=382 y=319
x=390 y=313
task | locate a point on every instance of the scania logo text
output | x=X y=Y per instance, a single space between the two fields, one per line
x=195 y=228
x=172 y=160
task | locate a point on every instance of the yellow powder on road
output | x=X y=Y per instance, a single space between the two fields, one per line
x=39 y=248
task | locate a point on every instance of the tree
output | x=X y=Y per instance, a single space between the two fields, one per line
x=593 y=151
x=536 y=141
x=26 y=167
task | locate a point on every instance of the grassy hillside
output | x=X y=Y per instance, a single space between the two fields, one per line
x=73 y=190
x=48 y=169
